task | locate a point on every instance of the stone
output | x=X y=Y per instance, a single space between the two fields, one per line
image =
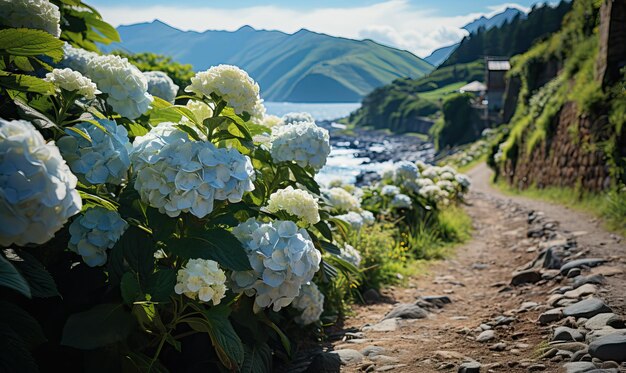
x=550 y=316
x=536 y=368
x=551 y=259
x=383 y=359
x=486 y=336
x=591 y=279
x=485 y=327
x=616 y=322
x=445 y=366
x=325 y=362
x=372 y=351
x=607 y=271
x=386 y=368
x=549 y=353
x=599 y=333
x=586 y=308
x=586 y=289
x=565 y=354
x=611 y=347
x=469 y=367
x=388 y=325
x=579 y=367
x=449 y=355
x=574 y=272
x=527 y=306
x=349 y=356
x=587 y=262
x=599 y=321
x=371 y=296
x=503 y=320
x=500 y=346
x=525 y=277
x=569 y=346
x=579 y=354
x=563 y=333
x=407 y=311
x=437 y=300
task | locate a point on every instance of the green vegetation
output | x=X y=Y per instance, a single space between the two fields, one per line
x=438 y=94
x=301 y=67
x=459 y=124
x=610 y=207
x=511 y=38
x=179 y=73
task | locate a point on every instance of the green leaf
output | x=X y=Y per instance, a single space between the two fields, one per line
x=29 y=42
x=139 y=363
x=26 y=83
x=136 y=129
x=324 y=229
x=304 y=178
x=137 y=248
x=80 y=132
x=188 y=130
x=330 y=247
x=14 y=355
x=22 y=323
x=105 y=29
x=38 y=118
x=216 y=244
x=161 y=285
x=130 y=288
x=100 y=326
x=41 y=283
x=159 y=103
x=257 y=359
x=11 y=278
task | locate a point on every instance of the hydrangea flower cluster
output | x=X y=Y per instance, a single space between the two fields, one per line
x=175 y=174
x=76 y=58
x=304 y=143
x=33 y=14
x=350 y=255
x=310 y=302
x=368 y=217
x=354 y=219
x=434 y=194
x=231 y=83
x=271 y=121
x=291 y=118
x=401 y=201
x=123 y=82
x=37 y=189
x=201 y=279
x=95 y=231
x=161 y=85
x=73 y=81
x=295 y=202
x=389 y=190
x=341 y=200
x=283 y=258
x=104 y=159
x=405 y=170
x=463 y=181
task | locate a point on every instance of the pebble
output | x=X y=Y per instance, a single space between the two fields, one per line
x=536 y=368
x=586 y=308
x=371 y=296
x=349 y=356
x=563 y=333
x=574 y=272
x=388 y=325
x=383 y=359
x=372 y=351
x=486 y=336
x=579 y=354
x=599 y=321
x=485 y=326
x=445 y=366
x=569 y=346
x=386 y=368
x=591 y=279
x=500 y=346
x=527 y=306
x=599 y=333
x=587 y=262
x=525 y=277
x=449 y=355
x=550 y=316
x=407 y=311
x=578 y=367
x=611 y=347
x=550 y=353
x=469 y=367
x=586 y=289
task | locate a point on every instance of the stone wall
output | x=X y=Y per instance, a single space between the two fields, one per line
x=568 y=159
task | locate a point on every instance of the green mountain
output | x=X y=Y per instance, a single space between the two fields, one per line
x=300 y=67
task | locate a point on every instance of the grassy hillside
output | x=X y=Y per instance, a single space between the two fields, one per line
x=301 y=67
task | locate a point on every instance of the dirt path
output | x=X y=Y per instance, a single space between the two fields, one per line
x=476 y=280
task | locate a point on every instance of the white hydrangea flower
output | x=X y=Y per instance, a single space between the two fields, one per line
x=104 y=159
x=446 y=175
x=421 y=165
x=201 y=279
x=405 y=171
x=341 y=200
x=161 y=85
x=401 y=201
x=73 y=81
x=258 y=113
x=271 y=121
x=368 y=217
x=304 y=143
x=95 y=231
x=37 y=189
x=291 y=118
x=231 y=83
x=387 y=173
x=434 y=194
x=350 y=255
x=446 y=185
x=175 y=174
x=310 y=302
x=463 y=180
x=389 y=190
x=33 y=14
x=199 y=109
x=353 y=218
x=432 y=172
x=77 y=58
x=126 y=86
x=295 y=202
x=282 y=257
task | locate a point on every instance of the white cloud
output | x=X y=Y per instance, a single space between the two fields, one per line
x=391 y=22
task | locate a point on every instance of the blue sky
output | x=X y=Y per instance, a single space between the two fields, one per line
x=419 y=26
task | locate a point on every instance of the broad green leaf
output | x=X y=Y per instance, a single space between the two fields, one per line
x=100 y=326
x=135 y=129
x=257 y=359
x=324 y=229
x=22 y=323
x=304 y=178
x=161 y=285
x=105 y=29
x=188 y=130
x=159 y=103
x=217 y=244
x=137 y=248
x=225 y=340
x=79 y=132
x=29 y=42
x=139 y=363
x=130 y=288
x=41 y=283
x=28 y=112
x=330 y=247
x=26 y=83
x=11 y=278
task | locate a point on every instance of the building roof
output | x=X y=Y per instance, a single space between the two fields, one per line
x=474 y=86
x=498 y=65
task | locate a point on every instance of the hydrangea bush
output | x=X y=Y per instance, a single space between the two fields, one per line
x=95 y=231
x=161 y=85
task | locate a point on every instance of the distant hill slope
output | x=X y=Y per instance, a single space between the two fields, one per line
x=300 y=67
x=438 y=56
x=496 y=21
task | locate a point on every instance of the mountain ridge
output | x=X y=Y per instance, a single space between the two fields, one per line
x=305 y=66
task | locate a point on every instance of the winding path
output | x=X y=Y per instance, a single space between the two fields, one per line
x=476 y=279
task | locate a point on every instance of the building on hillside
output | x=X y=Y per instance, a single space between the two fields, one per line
x=496 y=83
